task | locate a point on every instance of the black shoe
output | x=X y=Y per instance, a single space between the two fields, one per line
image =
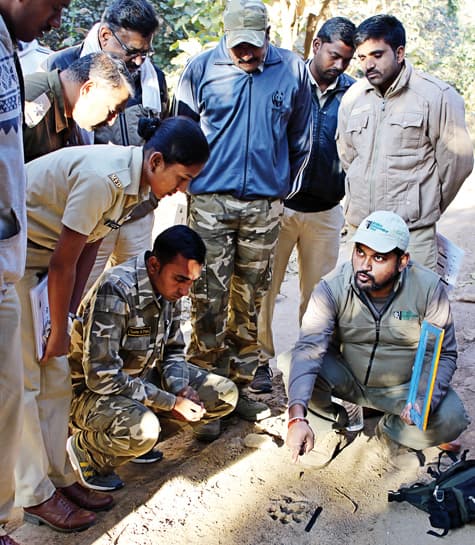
x=153 y=455
x=262 y=382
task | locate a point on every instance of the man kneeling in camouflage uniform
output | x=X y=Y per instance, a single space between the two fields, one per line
x=128 y=363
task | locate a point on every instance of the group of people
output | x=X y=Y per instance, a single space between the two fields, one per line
x=266 y=146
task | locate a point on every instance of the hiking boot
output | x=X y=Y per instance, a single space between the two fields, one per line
x=208 y=431
x=89 y=477
x=354 y=413
x=325 y=449
x=262 y=381
x=153 y=455
x=395 y=454
x=250 y=409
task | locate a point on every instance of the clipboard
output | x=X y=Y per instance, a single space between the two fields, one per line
x=41 y=315
x=424 y=372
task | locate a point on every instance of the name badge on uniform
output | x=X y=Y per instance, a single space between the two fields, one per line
x=35 y=110
x=115 y=180
x=139 y=331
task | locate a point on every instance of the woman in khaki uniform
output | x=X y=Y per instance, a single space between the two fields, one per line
x=75 y=196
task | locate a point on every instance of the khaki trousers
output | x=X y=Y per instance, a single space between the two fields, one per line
x=11 y=396
x=317 y=237
x=42 y=463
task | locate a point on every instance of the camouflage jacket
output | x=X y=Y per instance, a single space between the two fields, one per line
x=126 y=331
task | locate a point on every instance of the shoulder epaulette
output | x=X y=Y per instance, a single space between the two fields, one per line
x=35 y=110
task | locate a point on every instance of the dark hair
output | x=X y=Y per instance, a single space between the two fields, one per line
x=378 y=27
x=102 y=68
x=136 y=15
x=175 y=240
x=337 y=29
x=179 y=139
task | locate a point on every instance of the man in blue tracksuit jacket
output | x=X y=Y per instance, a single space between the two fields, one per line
x=313 y=216
x=254 y=105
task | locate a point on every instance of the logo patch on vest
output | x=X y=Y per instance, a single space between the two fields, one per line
x=115 y=180
x=405 y=315
x=139 y=331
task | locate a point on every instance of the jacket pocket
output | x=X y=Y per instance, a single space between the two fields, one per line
x=406 y=132
x=357 y=123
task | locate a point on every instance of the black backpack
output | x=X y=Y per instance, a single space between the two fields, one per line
x=449 y=498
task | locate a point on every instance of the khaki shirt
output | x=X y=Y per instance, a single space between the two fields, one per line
x=89 y=189
x=408 y=151
x=46 y=126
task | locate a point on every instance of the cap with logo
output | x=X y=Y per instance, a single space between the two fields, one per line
x=383 y=231
x=245 y=21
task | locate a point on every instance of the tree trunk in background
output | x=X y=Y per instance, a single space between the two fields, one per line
x=313 y=20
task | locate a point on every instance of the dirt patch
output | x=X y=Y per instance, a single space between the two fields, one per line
x=228 y=494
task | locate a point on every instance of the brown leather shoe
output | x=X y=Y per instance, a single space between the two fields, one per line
x=60 y=514
x=7 y=540
x=87 y=498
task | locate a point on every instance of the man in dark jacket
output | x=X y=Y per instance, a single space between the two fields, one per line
x=313 y=217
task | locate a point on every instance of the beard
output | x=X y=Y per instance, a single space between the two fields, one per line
x=371 y=285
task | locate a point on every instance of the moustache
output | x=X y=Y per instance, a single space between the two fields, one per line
x=371 y=72
x=248 y=61
x=367 y=274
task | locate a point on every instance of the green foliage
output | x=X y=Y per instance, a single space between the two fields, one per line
x=440 y=33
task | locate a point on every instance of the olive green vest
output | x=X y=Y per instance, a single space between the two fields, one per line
x=380 y=350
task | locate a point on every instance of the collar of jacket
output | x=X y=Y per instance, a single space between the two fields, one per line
x=221 y=54
x=343 y=84
x=402 y=82
x=54 y=82
x=145 y=291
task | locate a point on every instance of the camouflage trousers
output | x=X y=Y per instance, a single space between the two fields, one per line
x=114 y=429
x=240 y=238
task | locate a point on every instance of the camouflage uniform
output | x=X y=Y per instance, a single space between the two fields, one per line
x=127 y=363
x=240 y=237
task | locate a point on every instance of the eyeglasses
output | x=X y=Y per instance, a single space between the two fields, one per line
x=132 y=53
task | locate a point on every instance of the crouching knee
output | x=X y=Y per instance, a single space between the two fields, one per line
x=144 y=433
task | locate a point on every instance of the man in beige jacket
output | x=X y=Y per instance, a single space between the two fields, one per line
x=401 y=138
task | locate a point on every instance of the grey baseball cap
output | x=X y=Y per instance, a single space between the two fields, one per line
x=383 y=231
x=245 y=21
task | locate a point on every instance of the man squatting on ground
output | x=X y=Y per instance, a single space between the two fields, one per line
x=128 y=363
x=358 y=342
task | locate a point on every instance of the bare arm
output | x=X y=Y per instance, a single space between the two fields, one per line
x=61 y=286
x=83 y=269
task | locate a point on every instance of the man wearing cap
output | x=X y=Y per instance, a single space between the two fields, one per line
x=358 y=342
x=253 y=102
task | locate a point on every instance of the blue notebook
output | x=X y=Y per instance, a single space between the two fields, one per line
x=424 y=372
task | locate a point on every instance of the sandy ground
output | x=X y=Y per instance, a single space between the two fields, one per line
x=228 y=494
